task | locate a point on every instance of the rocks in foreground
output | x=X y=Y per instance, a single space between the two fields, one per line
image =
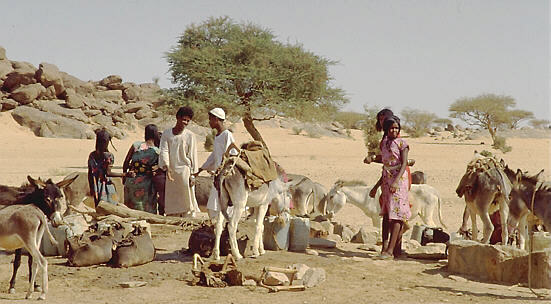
x=499 y=263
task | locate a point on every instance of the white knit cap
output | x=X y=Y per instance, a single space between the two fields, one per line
x=218 y=112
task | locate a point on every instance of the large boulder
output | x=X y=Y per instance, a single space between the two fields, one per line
x=2 y=53
x=70 y=81
x=23 y=74
x=72 y=99
x=86 y=89
x=46 y=124
x=110 y=95
x=5 y=68
x=48 y=75
x=131 y=94
x=27 y=93
x=499 y=263
x=56 y=107
x=104 y=106
x=8 y=104
x=112 y=82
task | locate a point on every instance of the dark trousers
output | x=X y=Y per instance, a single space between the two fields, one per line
x=159 y=181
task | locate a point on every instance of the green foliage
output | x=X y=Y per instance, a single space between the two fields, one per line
x=297 y=130
x=416 y=122
x=516 y=116
x=371 y=136
x=486 y=153
x=488 y=111
x=312 y=133
x=245 y=70
x=539 y=123
x=350 y=119
x=500 y=144
x=209 y=141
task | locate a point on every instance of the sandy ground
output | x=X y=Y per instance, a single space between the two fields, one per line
x=353 y=276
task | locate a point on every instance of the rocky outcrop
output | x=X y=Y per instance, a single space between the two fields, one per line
x=53 y=103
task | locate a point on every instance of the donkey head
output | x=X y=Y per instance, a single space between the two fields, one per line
x=336 y=199
x=48 y=197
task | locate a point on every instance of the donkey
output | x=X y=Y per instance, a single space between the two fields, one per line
x=424 y=199
x=23 y=224
x=232 y=188
x=486 y=191
x=530 y=195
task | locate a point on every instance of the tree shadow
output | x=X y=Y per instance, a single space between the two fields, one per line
x=180 y=255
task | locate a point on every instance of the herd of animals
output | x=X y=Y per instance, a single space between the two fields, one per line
x=517 y=197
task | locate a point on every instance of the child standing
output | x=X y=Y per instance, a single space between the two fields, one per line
x=394 y=181
x=100 y=162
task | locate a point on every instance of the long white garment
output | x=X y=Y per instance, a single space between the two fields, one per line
x=179 y=154
x=221 y=143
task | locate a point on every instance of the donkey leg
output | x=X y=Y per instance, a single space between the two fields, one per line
x=232 y=230
x=259 y=233
x=37 y=287
x=472 y=212
x=504 y=215
x=522 y=232
x=16 y=264
x=217 y=234
x=488 y=226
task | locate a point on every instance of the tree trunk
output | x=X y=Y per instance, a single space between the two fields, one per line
x=253 y=131
x=125 y=212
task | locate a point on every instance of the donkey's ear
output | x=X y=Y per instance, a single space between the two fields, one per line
x=518 y=175
x=36 y=182
x=67 y=182
x=538 y=176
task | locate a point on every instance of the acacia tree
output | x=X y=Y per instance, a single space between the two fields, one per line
x=243 y=68
x=516 y=116
x=417 y=122
x=488 y=111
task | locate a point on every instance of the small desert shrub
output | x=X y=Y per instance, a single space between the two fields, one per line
x=350 y=120
x=313 y=133
x=500 y=144
x=486 y=153
x=209 y=141
x=297 y=130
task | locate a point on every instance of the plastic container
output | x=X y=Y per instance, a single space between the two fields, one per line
x=299 y=234
x=417 y=233
x=276 y=232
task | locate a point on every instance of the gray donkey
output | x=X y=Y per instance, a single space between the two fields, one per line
x=22 y=225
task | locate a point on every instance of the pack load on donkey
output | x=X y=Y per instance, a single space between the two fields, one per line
x=252 y=171
x=486 y=188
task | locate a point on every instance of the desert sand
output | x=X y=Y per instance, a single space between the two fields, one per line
x=353 y=276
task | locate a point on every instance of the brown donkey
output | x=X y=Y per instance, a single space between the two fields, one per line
x=22 y=225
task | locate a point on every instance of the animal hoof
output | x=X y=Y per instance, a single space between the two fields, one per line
x=11 y=290
x=238 y=257
x=42 y=297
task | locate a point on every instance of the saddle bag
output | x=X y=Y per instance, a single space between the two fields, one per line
x=136 y=249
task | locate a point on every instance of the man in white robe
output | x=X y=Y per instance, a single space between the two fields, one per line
x=222 y=140
x=178 y=157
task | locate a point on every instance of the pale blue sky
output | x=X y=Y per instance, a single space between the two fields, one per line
x=417 y=54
